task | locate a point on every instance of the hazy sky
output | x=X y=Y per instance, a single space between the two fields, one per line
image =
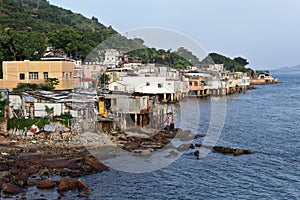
x=266 y=32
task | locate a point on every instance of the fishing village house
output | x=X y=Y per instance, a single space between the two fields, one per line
x=86 y=74
x=198 y=85
x=164 y=83
x=15 y=72
x=112 y=58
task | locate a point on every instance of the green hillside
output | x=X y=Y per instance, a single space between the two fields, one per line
x=237 y=64
x=39 y=15
x=27 y=27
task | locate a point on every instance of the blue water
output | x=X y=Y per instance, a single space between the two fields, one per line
x=266 y=120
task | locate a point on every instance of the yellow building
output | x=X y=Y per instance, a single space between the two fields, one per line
x=15 y=72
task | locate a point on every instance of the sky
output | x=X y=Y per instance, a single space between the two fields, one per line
x=266 y=32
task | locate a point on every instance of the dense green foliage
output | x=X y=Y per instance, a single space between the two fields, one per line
x=234 y=65
x=28 y=26
x=39 y=15
x=52 y=82
x=64 y=119
x=161 y=56
x=103 y=79
x=23 y=87
x=22 y=123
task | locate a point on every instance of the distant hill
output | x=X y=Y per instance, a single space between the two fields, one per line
x=294 y=69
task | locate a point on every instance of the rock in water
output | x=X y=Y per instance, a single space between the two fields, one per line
x=82 y=186
x=197 y=154
x=130 y=146
x=11 y=188
x=66 y=184
x=45 y=184
x=95 y=164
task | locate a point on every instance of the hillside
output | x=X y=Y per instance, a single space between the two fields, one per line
x=28 y=26
x=236 y=64
x=39 y=15
x=294 y=69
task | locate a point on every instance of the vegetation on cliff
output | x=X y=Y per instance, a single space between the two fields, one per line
x=234 y=65
x=27 y=27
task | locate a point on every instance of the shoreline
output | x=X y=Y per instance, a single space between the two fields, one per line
x=23 y=166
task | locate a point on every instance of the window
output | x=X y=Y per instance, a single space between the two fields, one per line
x=22 y=76
x=33 y=75
x=71 y=75
x=195 y=83
x=191 y=83
x=63 y=74
x=148 y=84
x=67 y=76
x=160 y=85
x=46 y=76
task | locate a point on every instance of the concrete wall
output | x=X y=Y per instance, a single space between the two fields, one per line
x=62 y=70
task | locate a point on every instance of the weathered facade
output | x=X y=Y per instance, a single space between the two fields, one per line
x=15 y=72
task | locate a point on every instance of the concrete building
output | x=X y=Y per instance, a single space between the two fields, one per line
x=111 y=59
x=216 y=67
x=198 y=87
x=15 y=72
x=165 y=89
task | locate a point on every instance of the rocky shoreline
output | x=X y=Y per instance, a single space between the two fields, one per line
x=25 y=163
x=34 y=164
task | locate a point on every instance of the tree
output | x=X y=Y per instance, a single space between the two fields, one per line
x=241 y=61
x=21 y=45
x=234 y=65
x=104 y=79
x=52 y=82
x=49 y=111
x=23 y=87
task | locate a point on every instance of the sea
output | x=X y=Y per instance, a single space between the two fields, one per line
x=266 y=121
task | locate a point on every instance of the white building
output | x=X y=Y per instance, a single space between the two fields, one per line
x=216 y=67
x=168 y=88
x=111 y=59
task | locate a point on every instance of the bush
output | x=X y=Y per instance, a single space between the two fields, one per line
x=22 y=123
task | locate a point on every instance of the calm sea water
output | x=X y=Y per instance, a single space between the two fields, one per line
x=266 y=121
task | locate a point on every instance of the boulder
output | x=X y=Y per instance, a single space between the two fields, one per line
x=11 y=188
x=199 y=136
x=95 y=164
x=45 y=184
x=198 y=145
x=197 y=154
x=21 y=178
x=66 y=184
x=82 y=186
x=129 y=146
x=238 y=152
